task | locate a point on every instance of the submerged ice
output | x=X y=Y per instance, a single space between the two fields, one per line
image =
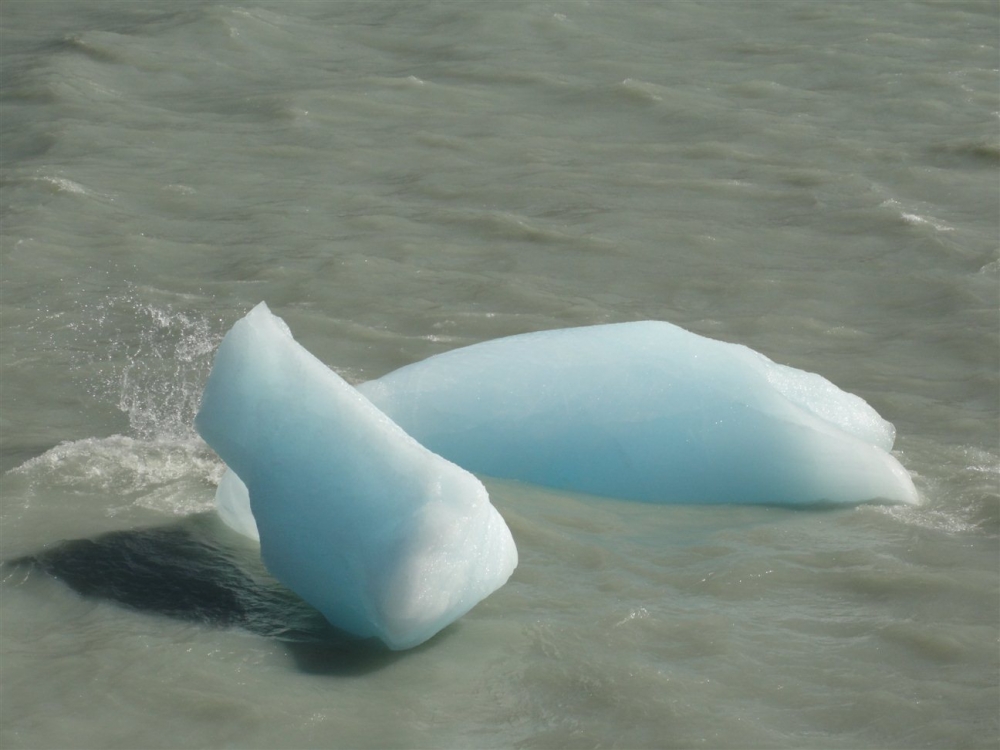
x=382 y=536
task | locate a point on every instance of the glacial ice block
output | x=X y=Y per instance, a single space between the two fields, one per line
x=646 y=411
x=382 y=536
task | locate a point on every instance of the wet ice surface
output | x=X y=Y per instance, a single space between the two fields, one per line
x=646 y=411
x=386 y=538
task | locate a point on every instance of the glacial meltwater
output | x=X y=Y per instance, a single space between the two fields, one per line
x=819 y=181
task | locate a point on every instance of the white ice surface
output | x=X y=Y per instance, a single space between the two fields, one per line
x=232 y=502
x=384 y=537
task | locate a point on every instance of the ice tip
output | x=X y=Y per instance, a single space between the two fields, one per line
x=260 y=314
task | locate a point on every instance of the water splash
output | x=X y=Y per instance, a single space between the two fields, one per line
x=958 y=500
x=155 y=361
x=150 y=361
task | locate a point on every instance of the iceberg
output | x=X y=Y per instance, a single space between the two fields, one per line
x=358 y=517
x=646 y=411
x=384 y=537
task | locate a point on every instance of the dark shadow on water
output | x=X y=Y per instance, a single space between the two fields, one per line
x=198 y=570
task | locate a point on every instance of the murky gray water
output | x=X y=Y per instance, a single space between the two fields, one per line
x=817 y=181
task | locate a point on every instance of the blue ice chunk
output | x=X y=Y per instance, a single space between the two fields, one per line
x=384 y=537
x=646 y=411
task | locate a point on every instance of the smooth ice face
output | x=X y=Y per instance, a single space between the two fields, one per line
x=381 y=535
x=232 y=502
x=646 y=411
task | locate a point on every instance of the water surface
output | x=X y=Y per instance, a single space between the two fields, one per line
x=396 y=179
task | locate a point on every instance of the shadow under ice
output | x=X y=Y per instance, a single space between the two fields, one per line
x=197 y=570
